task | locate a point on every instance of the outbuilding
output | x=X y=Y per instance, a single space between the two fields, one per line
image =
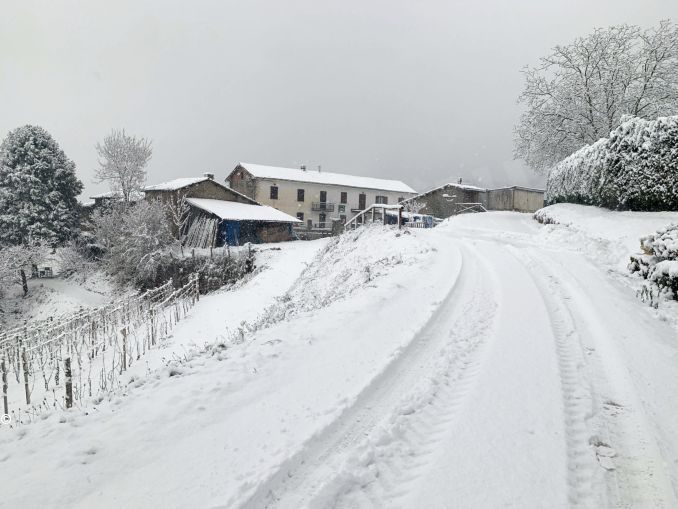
x=204 y=213
x=515 y=198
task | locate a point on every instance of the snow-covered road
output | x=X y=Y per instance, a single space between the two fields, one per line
x=546 y=385
x=490 y=363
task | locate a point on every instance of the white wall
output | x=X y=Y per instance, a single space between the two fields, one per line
x=287 y=198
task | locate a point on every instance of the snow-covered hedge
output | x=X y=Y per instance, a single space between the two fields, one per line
x=636 y=168
x=659 y=261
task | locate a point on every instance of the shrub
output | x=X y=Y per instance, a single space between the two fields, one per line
x=636 y=168
x=659 y=261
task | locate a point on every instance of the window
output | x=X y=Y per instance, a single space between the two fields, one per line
x=382 y=199
x=362 y=201
x=274 y=192
x=300 y=195
x=342 y=208
x=321 y=220
x=400 y=199
x=323 y=196
x=344 y=197
x=300 y=216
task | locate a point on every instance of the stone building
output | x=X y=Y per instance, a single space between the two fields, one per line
x=314 y=196
x=450 y=199
x=215 y=215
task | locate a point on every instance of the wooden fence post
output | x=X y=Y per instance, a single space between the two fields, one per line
x=4 y=386
x=152 y=326
x=69 y=382
x=24 y=363
x=124 y=350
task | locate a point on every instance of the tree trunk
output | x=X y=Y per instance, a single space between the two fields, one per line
x=24 y=281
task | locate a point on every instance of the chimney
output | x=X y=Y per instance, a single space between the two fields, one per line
x=303 y=167
x=319 y=168
x=208 y=175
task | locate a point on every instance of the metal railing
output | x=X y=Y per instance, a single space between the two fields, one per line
x=372 y=214
x=322 y=206
x=464 y=208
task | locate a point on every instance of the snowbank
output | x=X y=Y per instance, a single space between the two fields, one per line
x=608 y=236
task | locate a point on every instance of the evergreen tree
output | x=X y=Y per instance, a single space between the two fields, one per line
x=38 y=189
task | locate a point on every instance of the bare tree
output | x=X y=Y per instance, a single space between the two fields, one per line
x=578 y=93
x=122 y=162
x=178 y=211
x=14 y=261
x=413 y=206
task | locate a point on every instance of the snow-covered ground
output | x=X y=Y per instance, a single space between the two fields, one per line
x=53 y=297
x=489 y=362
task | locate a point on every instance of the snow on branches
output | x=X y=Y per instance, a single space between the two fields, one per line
x=122 y=162
x=659 y=261
x=38 y=189
x=132 y=237
x=580 y=92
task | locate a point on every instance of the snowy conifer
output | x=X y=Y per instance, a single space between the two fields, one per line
x=38 y=189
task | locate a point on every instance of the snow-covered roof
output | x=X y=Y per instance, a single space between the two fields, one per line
x=323 y=177
x=241 y=211
x=520 y=188
x=134 y=196
x=463 y=187
x=175 y=184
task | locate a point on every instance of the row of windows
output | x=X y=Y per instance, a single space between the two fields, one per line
x=343 y=198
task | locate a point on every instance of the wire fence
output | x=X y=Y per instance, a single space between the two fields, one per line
x=59 y=362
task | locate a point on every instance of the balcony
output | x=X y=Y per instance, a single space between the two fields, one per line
x=322 y=206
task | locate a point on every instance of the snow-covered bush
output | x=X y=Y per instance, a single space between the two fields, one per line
x=214 y=271
x=636 y=168
x=578 y=178
x=138 y=248
x=132 y=238
x=659 y=261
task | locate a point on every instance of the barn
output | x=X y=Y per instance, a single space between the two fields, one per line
x=204 y=213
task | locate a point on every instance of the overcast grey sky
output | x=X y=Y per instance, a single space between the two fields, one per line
x=421 y=91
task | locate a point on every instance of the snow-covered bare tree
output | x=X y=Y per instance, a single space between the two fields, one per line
x=122 y=162
x=413 y=206
x=38 y=189
x=132 y=236
x=178 y=212
x=14 y=262
x=579 y=92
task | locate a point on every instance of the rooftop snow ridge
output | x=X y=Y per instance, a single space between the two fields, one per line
x=322 y=177
x=175 y=184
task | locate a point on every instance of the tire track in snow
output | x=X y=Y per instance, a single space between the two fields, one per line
x=384 y=466
x=299 y=480
x=620 y=437
x=585 y=478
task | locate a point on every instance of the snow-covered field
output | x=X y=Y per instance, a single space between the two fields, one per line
x=489 y=362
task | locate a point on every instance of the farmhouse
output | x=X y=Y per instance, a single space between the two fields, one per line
x=314 y=196
x=205 y=213
x=450 y=199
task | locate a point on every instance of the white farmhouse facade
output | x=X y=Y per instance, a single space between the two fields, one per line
x=313 y=196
